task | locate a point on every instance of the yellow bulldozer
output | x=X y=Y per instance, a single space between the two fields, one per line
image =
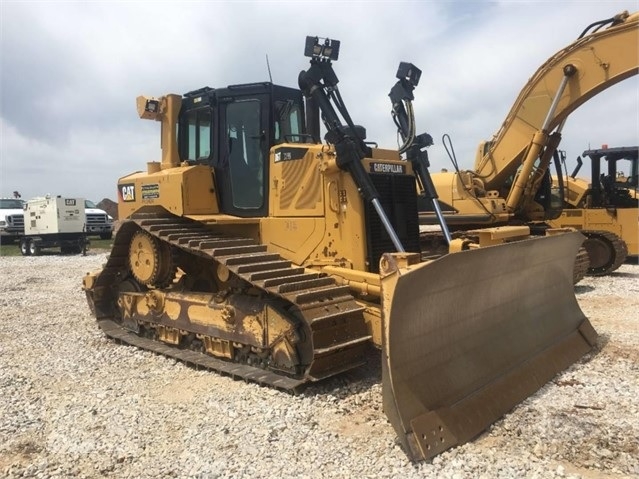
x=511 y=182
x=257 y=250
x=604 y=207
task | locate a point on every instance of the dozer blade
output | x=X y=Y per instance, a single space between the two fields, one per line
x=470 y=335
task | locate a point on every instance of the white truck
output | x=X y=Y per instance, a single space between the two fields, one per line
x=98 y=221
x=54 y=222
x=11 y=219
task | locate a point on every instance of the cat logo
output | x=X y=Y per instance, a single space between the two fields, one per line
x=127 y=192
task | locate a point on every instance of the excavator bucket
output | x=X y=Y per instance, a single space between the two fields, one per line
x=470 y=335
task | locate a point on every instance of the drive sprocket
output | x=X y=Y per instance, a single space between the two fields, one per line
x=151 y=261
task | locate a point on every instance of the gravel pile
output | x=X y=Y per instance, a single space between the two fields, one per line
x=73 y=403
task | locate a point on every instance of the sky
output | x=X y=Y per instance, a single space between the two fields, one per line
x=70 y=73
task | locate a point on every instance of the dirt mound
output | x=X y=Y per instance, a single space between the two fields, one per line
x=111 y=207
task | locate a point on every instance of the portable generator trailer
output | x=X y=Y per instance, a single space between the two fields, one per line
x=54 y=223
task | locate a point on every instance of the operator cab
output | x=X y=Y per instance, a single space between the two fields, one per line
x=612 y=189
x=232 y=130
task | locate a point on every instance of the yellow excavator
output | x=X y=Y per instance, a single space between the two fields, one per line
x=604 y=208
x=511 y=182
x=258 y=251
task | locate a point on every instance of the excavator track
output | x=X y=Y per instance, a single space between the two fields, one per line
x=606 y=251
x=323 y=310
x=582 y=263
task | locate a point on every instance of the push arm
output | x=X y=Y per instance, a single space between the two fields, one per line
x=320 y=83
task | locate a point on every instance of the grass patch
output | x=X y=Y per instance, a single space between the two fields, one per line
x=97 y=243
x=9 y=249
x=13 y=249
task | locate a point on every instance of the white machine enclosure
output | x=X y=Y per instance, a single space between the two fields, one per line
x=54 y=215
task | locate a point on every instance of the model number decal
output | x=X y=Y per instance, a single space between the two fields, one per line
x=392 y=168
x=127 y=192
x=150 y=192
x=288 y=154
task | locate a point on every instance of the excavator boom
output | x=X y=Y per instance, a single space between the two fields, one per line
x=511 y=184
x=510 y=178
x=596 y=62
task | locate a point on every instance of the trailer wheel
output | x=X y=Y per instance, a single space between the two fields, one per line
x=34 y=248
x=24 y=247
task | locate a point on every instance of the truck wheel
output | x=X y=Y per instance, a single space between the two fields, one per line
x=106 y=236
x=24 y=247
x=34 y=249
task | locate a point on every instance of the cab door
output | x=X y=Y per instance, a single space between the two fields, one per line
x=243 y=163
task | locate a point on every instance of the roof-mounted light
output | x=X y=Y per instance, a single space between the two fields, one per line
x=149 y=108
x=323 y=49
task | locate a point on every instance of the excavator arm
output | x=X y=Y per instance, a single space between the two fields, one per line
x=571 y=77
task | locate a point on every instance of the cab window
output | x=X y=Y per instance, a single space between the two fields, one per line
x=246 y=155
x=199 y=134
x=288 y=122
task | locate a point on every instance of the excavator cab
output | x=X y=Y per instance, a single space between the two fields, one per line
x=602 y=205
x=612 y=188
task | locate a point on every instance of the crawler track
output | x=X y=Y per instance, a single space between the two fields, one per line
x=582 y=263
x=326 y=311
x=606 y=251
x=200 y=360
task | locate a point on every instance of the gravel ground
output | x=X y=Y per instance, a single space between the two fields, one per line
x=73 y=403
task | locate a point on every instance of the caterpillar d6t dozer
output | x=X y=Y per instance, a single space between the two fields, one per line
x=256 y=250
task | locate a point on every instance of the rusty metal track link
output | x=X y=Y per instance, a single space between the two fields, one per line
x=199 y=360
